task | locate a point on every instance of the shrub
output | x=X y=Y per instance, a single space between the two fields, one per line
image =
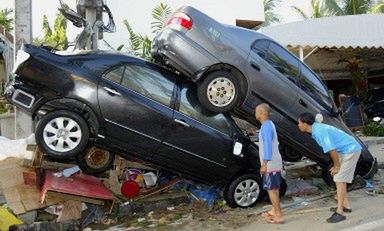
x=373 y=129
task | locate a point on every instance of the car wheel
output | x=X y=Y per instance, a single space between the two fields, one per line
x=245 y=191
x=291 y=155
x=95 y=160
x=219 y=91
x=62 y=134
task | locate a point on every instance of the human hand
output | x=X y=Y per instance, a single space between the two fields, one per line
x=334 y=170
x=263 y=169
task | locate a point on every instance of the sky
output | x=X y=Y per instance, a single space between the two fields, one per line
x=138 y=14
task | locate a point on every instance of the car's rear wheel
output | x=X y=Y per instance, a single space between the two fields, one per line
x=219 y=91
x=95 y=160
x=62 y=134
x=245 y=191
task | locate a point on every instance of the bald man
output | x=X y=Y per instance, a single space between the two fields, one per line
x=271 y=162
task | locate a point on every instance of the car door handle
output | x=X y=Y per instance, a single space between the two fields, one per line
x=303 y=103
x=113 y=92
x=255 y=66
x=182 y=123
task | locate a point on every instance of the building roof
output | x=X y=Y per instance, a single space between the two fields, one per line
x=364 y=31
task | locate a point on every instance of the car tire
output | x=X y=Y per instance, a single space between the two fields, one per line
x=95 y=160
x=291 y=155
x=62 y=134
x=229 y=86
x=244 y=184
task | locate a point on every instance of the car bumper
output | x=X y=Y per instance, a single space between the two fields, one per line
x=181 y=52
x=19 y=95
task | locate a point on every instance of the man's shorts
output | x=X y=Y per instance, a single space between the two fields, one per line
x=271 y=180
x=348 y=164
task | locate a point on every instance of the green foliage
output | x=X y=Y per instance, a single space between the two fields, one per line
x=373 y=129
x=56 y=38
x=326 y=8
x=140 y=45
x=160 y=14
x=378 y=7
x=5 y=19
x=270 y=16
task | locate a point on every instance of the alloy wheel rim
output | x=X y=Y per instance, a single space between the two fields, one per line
x=62 y=134
x=221 y=91
x=246 y=192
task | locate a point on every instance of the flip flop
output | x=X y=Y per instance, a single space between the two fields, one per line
x=267 y=215
x=273 y=221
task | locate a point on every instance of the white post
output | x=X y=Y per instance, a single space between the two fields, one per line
x=301 y=53
x=23 y=34
x=90 y=14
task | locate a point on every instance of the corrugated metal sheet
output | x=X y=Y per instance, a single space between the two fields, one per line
x=365 y=31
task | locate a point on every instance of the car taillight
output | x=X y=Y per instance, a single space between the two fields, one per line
x=180 y=19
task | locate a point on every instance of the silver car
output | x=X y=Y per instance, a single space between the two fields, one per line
x=235 y=69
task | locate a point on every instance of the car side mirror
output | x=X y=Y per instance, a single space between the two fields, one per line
x=237 y=148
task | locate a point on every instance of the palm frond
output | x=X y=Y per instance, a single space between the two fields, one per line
x=300 y=12
x=160 y=14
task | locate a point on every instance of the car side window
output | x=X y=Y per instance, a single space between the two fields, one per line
x=115 y=74
x=190 y=106
x=314 y=87
x=311 y=81
x=284 y=62
x=149 y=82
x=261 y=47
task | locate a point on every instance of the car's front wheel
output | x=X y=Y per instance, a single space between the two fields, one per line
x=219 y=91
x=244 y=191
x=95 y=160
x=62 y=134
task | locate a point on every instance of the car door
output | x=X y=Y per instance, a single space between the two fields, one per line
x=274 y=78
x=199 y=143
x=135 y=102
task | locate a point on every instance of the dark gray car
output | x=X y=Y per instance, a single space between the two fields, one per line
x=235 y=69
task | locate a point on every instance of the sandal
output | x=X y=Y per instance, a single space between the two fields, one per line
x=346 y=210
x=336 y=217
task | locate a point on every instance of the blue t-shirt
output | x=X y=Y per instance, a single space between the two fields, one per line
x=330 y=138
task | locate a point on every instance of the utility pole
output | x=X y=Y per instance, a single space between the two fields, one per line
x=23 y=35
x=92 y=11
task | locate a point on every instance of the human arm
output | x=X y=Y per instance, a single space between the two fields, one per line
x=336 y=162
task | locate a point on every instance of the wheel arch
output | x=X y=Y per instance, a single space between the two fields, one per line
x=74 y=105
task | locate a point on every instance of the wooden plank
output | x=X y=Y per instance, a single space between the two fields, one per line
x=67 y=196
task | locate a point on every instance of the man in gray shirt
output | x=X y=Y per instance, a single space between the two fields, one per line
x=271 y=163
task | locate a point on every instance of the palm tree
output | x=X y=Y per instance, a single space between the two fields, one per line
x=270 y=16
x=353 y=7
x=140 y=45
x=320 y=8
x=5 y=19
x=378 y=7
x=326 y=8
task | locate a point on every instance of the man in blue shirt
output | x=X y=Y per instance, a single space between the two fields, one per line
x=344 y=151
x=271 y=162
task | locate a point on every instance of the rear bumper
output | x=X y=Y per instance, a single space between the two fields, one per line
x=20 y=95
x=181 y=52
